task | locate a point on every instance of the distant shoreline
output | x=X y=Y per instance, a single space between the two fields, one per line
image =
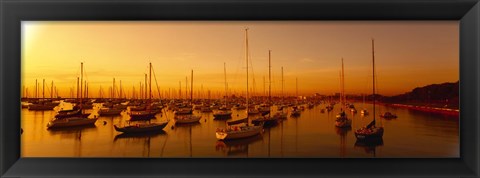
x=445 y=111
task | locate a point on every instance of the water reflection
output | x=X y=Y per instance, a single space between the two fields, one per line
x=369 y=147
x=312 y=134
x=237 y=147
x=343 y=132
x=75 y=134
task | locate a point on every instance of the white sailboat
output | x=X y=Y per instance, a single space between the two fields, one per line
x=76 y=120
x=235 y=130
x=270 y=120
x=190 y=118
x=223 y=113
x=342 y=120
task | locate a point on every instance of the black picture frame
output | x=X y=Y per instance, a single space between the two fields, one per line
x=14 y=11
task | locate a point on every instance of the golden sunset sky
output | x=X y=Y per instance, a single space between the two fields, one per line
x=408 y=54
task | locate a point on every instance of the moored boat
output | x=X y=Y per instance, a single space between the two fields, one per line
x=41 y=107
x=370 y=132
x=238 y=132
x=295 y=112
x=222 y=114
x=109 y=111
x=71 y=122
x=364 y=112
x=73 y=118
x=69 y=113
x=388 y=115
x=186 y=119
x=243 y=129
x=141 y=127
x=342 y=121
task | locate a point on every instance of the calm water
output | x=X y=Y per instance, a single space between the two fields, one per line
x=313 y=134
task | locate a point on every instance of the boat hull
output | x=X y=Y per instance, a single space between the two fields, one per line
x=71 y=122
x=110 y=112
x=140 y=129
x=222 y=116
x=141 y=115
x=239 y=134
x=66 y=114
x=372 y=136
x=189 y=120
x=35 y=107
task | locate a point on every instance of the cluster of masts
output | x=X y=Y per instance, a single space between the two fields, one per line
x=119 y=91
x=146 y=110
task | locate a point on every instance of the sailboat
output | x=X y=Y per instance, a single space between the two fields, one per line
x=143 y=115
x=43 y=104
x=342 y=120
x=148 y=113
x=190 y=118
x=233 y=131
x=110 y=110
x=74 y=119
x=269 y=120
x=296 y=110
x=223 y=113
x=371 y=132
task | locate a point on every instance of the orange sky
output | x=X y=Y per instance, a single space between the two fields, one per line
x=408 y=54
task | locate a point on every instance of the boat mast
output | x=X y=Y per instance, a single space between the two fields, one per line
x=150 y=85
x=282 y=84
x=120 y=96
x=51 y=91
x=373 y=78
x=246 y=59
x=186 y=88
x=343 y=87
x=296 y=87
x=225 y=75
x=43 y=90
x=146 y=84
x=269 y=78
x=191 y=88
x=81 y=83
x=113 y=89
x=36 y=88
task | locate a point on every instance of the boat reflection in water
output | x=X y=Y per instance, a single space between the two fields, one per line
x=369 y=146
x=75 y=134
x=71 y=131
x=236 y=147
x=139 y=135
x=343 y=133
x=311 y=135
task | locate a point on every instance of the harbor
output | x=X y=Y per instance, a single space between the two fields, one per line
x=312 y=134
x=265 y=105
